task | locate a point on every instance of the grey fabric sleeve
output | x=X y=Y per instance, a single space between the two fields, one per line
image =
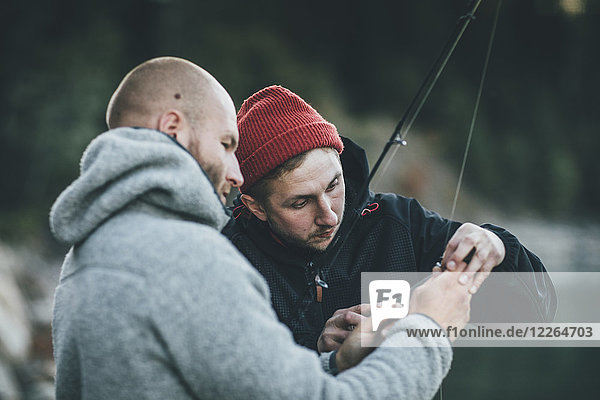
x=226 y=341
x=328 y=362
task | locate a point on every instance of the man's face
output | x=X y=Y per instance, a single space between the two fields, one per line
x=213 y=143
x=305 y=206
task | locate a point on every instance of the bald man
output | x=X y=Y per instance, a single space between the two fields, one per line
x=172 y=96
x=154 y=303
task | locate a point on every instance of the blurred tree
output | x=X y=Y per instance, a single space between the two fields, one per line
x=536 y=136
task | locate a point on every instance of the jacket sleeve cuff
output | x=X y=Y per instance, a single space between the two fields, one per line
x=511 y=248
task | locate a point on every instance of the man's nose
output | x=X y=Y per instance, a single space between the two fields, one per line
x=325 y=214
x=234 y=175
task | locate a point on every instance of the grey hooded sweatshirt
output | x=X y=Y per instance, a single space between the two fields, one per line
x=154 y=303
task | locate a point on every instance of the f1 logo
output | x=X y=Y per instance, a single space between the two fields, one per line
x=389 y=300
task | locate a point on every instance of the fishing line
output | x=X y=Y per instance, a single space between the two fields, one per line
x=471 y=128
x=474 y=117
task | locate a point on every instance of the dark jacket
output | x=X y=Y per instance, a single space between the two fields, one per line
x=396 y=235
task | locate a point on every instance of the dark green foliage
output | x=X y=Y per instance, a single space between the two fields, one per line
x=522 y=373
x=536 y=135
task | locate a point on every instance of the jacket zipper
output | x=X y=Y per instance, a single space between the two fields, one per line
x=320 y=284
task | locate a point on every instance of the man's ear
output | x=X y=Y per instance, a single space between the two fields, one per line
x=172 y=122
x=254 y=206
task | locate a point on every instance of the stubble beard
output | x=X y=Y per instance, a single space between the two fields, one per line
x=215 y=175
x=307 y=244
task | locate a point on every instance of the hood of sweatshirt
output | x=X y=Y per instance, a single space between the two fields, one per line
x=125 y=165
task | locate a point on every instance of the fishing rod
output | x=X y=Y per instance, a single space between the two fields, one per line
x=398 y=137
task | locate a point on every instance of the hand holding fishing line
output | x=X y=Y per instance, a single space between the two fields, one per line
x=473 y=250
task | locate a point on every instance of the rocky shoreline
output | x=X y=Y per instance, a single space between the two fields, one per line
x=27 y=284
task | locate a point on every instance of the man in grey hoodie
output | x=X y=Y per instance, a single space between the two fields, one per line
x=154 y=303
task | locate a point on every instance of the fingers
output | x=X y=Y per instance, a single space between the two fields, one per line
x=450 y=258
x=385 y=326
x=344 y=319
x=459 y=247
x=339 y=327
x=353 y=351
x=365 y=310
x=466 y=278
x=355 y=309
x=332 y=338
x=326 y=344
x=473 y=249
x=351 y=319
x=450 y=278
x=362 y=309
x=444 y=299
x=478 y=281
x=341 y=324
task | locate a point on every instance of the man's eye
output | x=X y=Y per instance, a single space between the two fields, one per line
x=332 y=185
x=226 y=145
x=299 y=204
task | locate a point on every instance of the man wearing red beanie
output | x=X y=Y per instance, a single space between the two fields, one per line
x=299 y=176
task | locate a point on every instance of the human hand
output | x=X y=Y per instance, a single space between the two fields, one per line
x=444 y=299
x=360 y=343
x=340 y=325
x=486 y=250
x=441 y=298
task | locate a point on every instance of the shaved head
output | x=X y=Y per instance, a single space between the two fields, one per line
x=180 y=99
x=158 y=85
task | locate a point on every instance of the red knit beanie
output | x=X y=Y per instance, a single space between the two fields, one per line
x=276 y=125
